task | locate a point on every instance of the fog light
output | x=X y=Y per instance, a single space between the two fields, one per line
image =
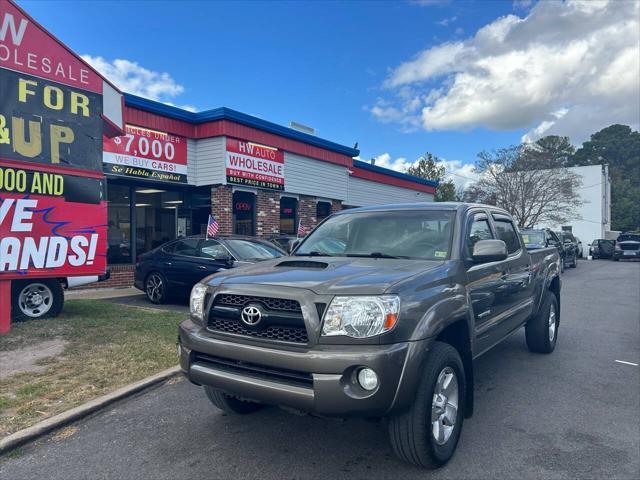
x=368 y=379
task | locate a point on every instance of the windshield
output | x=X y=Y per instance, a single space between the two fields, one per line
x=248 y=250
x=533 y=238
x=420 y=234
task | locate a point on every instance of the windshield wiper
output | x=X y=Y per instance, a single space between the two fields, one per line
x=312 y=253
x=375 y=255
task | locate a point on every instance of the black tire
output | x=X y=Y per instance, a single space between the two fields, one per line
x=36 y=299
x=230 y=404
x=616 y=259
x=562 y=265
x=575 y=261
x=159 y=294
x=538 y=330
x=411 y=432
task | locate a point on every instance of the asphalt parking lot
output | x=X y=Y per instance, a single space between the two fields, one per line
x=572 y=414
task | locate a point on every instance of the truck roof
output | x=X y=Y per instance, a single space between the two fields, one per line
x=453 y=206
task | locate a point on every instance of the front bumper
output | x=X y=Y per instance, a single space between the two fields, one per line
x=626 y=254
x=320 y=379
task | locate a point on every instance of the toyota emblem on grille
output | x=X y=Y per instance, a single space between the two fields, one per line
x=251 y=315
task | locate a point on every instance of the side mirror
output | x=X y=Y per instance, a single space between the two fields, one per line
x=224 y=258
x=485 y=251
x=293 y=244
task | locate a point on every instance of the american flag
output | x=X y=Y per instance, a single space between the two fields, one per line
x=212 y=227
x=301 y=229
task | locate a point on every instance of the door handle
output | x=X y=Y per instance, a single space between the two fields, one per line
x=202 y=267
x=168 y=264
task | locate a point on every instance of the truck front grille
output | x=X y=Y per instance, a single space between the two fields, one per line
x=278 y=304
x=281 y=333
x=281 y=319
x=629 y=246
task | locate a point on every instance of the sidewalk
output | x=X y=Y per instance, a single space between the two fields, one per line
x=100 y=293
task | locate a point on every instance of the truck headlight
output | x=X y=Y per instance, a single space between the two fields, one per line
x=196 y=301
x=361 y=317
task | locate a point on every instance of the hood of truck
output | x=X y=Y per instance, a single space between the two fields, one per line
x=326 y=275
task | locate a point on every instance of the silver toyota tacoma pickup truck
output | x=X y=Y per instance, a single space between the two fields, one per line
x=379 y=312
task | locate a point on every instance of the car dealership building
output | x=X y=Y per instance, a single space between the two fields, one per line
x=175 y=167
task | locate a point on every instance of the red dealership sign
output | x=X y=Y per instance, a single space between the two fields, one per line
x=54 y=111
x=51 y=225
x=27 y=48
x=145 y=153
x=254 y=165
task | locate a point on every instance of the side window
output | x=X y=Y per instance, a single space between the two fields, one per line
x=188 y=246
x=554 y=237
x=507 y=233
x=212 y=249
x=478 y=230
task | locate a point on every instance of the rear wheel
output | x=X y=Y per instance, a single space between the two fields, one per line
x=35 y=299
x=575 y=261
x=427 y=434
x=155 y=287
x=230 y=404
x=541 y=330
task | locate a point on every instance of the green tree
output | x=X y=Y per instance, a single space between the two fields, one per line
x=619 y=147
x=430 y=167
x=551 y=151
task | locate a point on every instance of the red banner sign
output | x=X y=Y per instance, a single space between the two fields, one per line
x=27 y=48
x=51 y=224
x=254 y=165
x=145 y=153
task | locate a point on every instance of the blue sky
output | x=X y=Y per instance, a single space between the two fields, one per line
x=393 y=76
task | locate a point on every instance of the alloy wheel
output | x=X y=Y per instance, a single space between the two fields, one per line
x=444 y=407
x=552 y=323
x=155 y=287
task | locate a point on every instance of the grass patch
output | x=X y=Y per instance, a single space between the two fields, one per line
x=108 y=346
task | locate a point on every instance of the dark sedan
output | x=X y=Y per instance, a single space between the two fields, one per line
x=172 y=269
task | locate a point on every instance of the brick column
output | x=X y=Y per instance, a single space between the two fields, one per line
x=222 y=208
x=267 y=213
x=336 y=206
x=307 y=210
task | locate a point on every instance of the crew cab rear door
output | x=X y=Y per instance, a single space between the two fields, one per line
x=517 y=274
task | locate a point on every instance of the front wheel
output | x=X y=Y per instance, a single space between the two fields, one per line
x=36 y=299
x=575 y=261
x=155 y=287
x=230 y=404
x=427 y=434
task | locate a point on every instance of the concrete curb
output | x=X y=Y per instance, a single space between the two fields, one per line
x=45 y=426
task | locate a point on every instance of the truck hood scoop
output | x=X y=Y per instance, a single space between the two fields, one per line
x=302 y=264
x=329 y=275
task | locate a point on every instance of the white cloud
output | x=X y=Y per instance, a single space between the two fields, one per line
x=429 y=3
x=132 y=78
x=446 y=21
x=578 y=57
x=462 y=174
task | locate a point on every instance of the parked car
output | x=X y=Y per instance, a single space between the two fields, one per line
x=172 y=269
x=544 y=238
x=570 y=248
x=602 y=248
x=627 y=246
x=38 y=298
x=283 y=241
x=379 y=312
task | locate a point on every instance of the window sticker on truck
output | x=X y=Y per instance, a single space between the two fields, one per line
x=440 y=254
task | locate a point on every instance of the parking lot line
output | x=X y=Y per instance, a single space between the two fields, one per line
x=627 y=363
